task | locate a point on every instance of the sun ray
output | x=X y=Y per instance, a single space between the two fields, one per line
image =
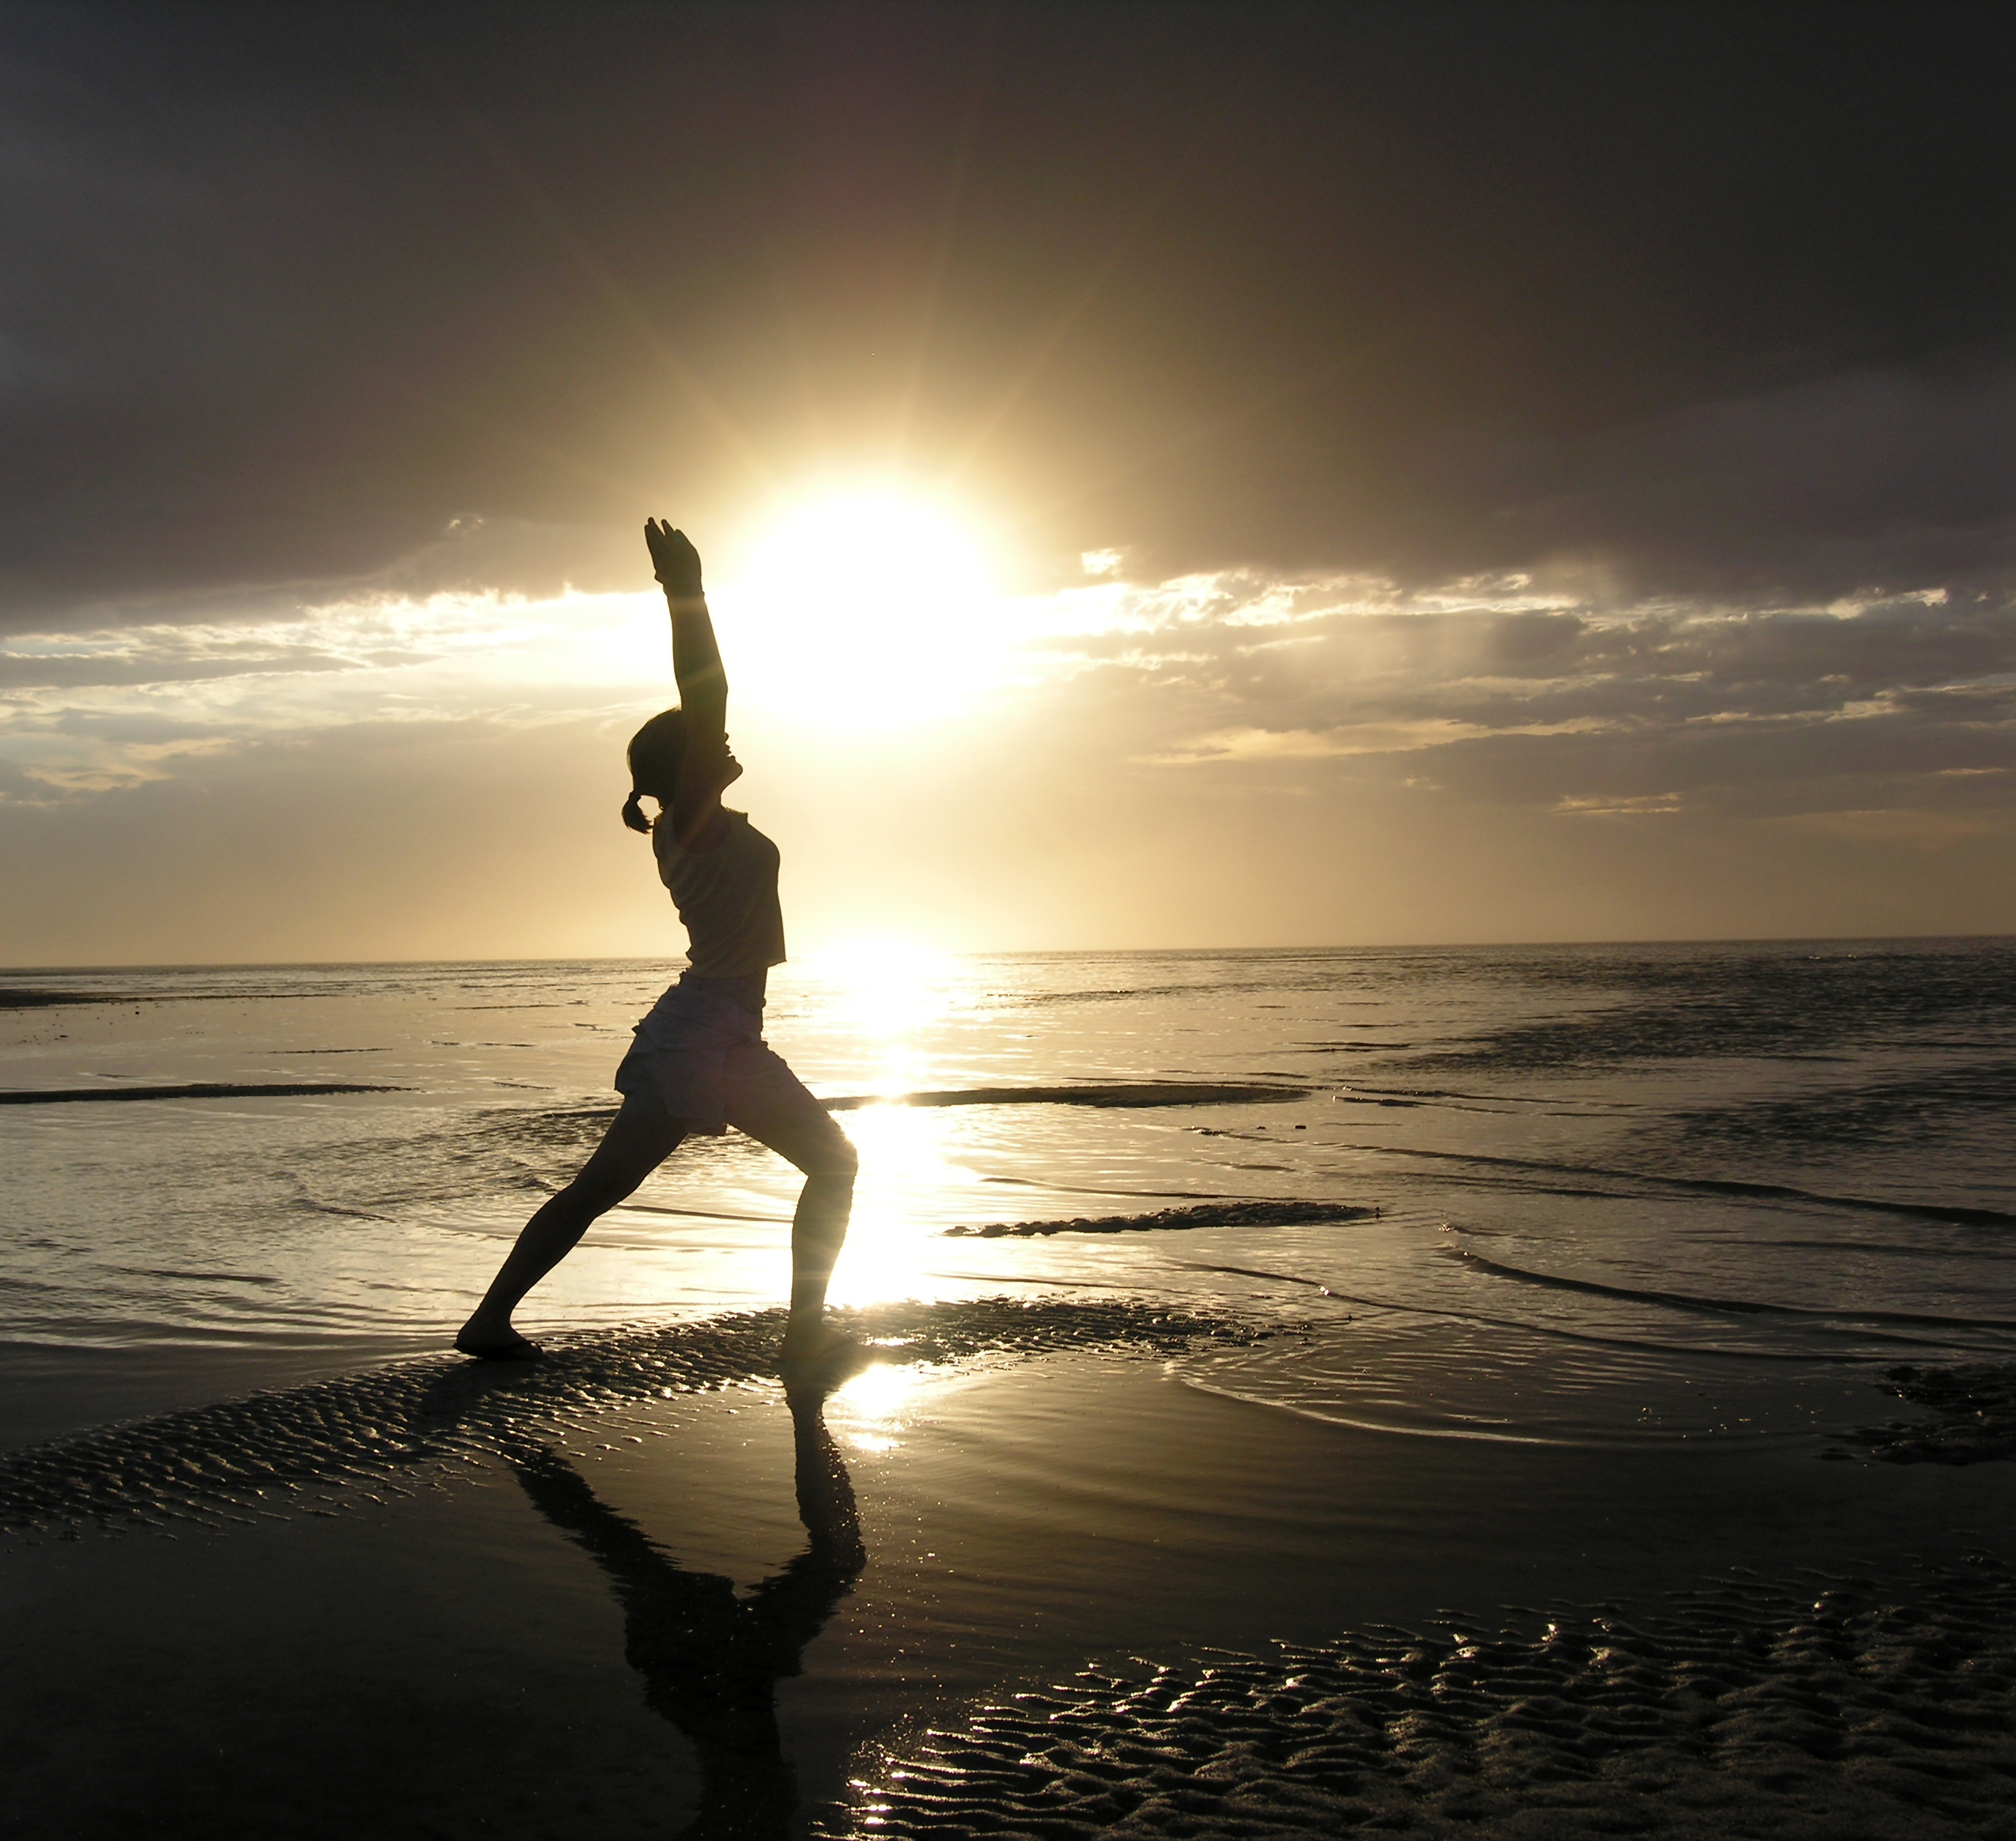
x=1174 y=180
x=540 y=204
x=913 y=382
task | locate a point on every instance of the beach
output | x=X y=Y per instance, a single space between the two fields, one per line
x=1007 y=923
x=1214 y=1477
x=1071 y=1568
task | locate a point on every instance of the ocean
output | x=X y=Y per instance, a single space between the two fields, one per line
x=1570 y=1195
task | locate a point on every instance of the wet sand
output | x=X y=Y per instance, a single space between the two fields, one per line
x=630 y=1590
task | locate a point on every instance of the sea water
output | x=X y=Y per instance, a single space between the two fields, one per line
x=1598 y=1195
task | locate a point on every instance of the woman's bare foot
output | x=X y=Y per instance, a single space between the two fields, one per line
x=487 y=1344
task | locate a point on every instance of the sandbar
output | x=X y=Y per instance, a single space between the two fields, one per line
x=190 y=1090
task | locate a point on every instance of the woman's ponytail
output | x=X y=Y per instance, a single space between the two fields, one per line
x=654 y=753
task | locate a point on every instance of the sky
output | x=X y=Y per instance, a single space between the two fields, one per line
x=1168 y=476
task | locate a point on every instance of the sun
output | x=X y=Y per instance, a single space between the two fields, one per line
x=856 y=607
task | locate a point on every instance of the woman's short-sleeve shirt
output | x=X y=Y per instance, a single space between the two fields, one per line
x=727 y=898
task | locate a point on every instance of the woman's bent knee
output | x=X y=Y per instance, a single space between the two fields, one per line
x=827 y=1156
x=836 y=1167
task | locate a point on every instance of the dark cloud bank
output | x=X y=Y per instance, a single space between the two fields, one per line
x=1702 y=301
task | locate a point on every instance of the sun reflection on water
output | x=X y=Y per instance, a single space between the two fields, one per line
x=870 y=1405
x=890 y=995
x=885 y=988
x=902 y=1158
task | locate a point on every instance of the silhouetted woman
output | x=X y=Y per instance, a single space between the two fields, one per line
x=699 y=1062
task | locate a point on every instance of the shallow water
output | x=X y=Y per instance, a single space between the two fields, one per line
x=1624 y=1195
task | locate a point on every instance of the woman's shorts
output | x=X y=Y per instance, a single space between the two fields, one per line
x=702 y=1056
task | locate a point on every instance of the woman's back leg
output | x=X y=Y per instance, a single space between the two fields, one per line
x=639 y=1138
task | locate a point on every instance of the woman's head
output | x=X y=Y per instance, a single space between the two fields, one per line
x=655 y=751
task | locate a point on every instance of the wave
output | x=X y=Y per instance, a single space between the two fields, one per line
x=1907 y=1109
x=568 y=1125
x=23 y=997
x=1427 y=1095
x=1953 y=1214
x=1077 y=1189
x=1713 y=1004
x=1549 y=1332
x=1123 y=994
x=279 y=1051
x=1731 y=1307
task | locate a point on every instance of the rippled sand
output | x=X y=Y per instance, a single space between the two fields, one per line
x=1855 y=1713
x=1024 y=1578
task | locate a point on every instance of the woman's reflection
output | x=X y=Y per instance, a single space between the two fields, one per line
x=711 y=1661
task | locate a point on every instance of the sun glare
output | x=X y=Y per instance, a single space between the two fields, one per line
x=869 y=1406
x=862 y=609
x=887 y=986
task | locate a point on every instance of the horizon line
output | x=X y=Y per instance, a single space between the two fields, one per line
x=1779 y=940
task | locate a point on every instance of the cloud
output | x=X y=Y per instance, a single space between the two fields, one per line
x=1230 y=756
x=1515 y=693
x=1648 y=805
x=1317 y=657
x=318 y=304
x=92 y=712
x=1928 y=830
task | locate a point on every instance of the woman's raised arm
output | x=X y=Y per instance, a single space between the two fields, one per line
x=703 y=684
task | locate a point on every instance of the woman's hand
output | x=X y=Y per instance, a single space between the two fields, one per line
x=674 y=560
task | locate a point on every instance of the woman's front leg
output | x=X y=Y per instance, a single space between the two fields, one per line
x=639 y=1139
x=818 y=1229
x=796 y=1126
